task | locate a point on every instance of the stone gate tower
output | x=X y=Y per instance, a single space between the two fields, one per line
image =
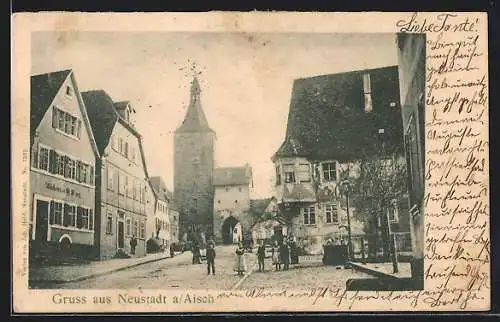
x=194 y=149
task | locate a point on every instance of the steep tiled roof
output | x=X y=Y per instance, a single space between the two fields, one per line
x=162 y=192
x=160 y=188
x=258 y=206
x=232 y=176
x=44 y=88
x=327 y=119
x=195 y=120
x=102 y=116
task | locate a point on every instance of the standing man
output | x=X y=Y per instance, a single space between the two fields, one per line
x=211 y=258
x=133 y=244
x=261 y=254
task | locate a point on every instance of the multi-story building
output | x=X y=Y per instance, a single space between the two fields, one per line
x=232 y=188
x=194 y=144
x=335 y=121
x=412 y=90
x=62 y=176
x=173 y=215
x=159 y=227
x=121 y=177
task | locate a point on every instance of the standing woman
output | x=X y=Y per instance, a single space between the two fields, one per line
x=240 y=265
x=276 y=256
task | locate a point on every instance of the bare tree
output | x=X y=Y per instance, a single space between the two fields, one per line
x=376 y=185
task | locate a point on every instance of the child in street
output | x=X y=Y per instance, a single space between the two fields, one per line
x=276 y=256
x=211 y=258
x=261 y=254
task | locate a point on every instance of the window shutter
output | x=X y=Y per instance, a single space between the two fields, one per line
x=78 y=128
x=55 y=117
x=52 y=213
x=52 y=161
x=91 y=174
x=79 y=221
x=91 y=219
x=78 y=171
x=65 y=216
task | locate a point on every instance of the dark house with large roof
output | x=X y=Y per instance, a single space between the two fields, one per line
x=334 y=120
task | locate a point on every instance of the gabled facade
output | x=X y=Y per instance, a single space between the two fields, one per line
x=194 y=150
x=411 y=54
x=122 y=184
x=334 y=121
x=62 y=172
x=160 y=227
x=232 y=189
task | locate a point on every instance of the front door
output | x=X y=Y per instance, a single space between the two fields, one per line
x=42 y=220
x=121 y=235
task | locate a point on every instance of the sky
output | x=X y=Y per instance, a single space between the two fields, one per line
x=246 y=81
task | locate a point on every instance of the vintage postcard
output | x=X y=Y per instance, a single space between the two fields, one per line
x=224 y=161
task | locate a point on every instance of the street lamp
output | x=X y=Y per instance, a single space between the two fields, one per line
x=390 y=235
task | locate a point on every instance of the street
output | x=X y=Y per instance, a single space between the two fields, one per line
x=179 y=273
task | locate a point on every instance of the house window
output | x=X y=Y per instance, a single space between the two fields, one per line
x=43 y=159
x=278 y=175
x=66 y=122
x=329 y=171
x=132 y=154
x=367 y=91
x=309 y=214
x=82 y=218
x=56 y=213
x=128 y=226
x=142 y=229
x=121 y=183
x=109 y=224
x=69 y=92
x=303 y=173
x=125 y=151
x=111 y=174
x=239 y=189
x=331 y=214
x=227 y=189
x=135 y=228
x=69 y=219
x=289 y=173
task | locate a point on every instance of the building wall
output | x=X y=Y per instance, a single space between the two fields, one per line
x=411 y=56
x=122 y=204
x=174 y=225
x=48 y=186
x=231 y=200
x=193 y=174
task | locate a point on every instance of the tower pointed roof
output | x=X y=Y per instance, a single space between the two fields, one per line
x=195 y=120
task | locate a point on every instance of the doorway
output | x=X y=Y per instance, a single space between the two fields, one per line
x=228 y=230
x=121 y=234
x=278 y=234
x=42 y=220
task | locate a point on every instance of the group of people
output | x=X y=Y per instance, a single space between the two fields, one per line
x=284 y=253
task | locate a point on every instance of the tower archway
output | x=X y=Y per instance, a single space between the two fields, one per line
x=231 y=231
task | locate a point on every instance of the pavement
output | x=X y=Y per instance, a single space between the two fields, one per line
x=309 y=273
x=384 y=270
x=160 y=272
x=170 y=273
x=79 y=272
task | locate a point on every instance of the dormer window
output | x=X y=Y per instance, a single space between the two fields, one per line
x=367 y=91
x=69 y=91
x=289 y=173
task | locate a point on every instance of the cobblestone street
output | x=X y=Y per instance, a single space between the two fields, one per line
x=179 y=273
x=170 y=273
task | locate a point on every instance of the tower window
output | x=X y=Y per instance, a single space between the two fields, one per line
x=367 y=91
